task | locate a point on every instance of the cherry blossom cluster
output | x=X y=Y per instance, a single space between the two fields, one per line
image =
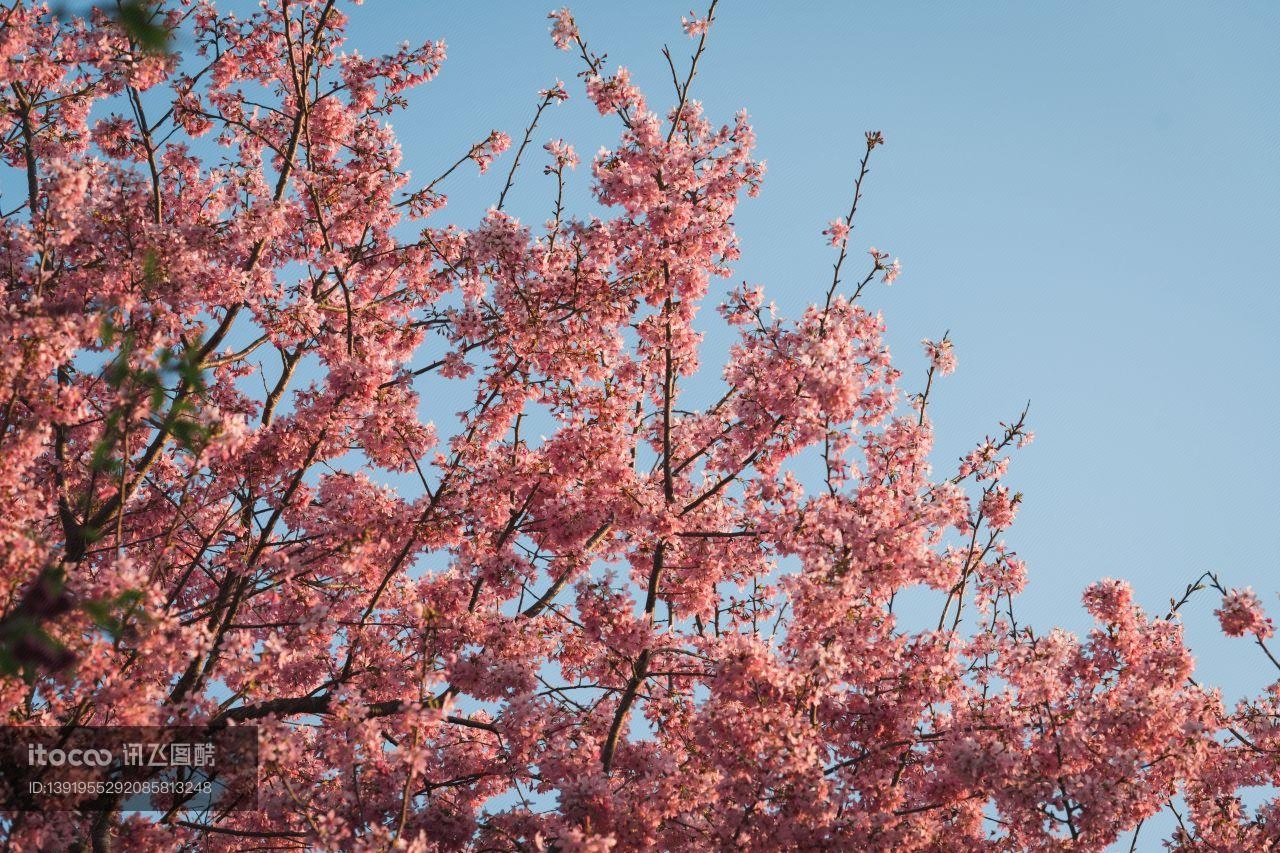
x=1241 y=613
x=594 y=605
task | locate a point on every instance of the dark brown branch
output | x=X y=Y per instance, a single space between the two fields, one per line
x=319 y=705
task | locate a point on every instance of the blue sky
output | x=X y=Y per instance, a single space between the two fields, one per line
x=1084 y=194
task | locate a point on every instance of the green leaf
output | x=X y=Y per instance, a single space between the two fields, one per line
x=109 y=614
x=137 y=19
x=103 y=460
x=151 y=272
x=99 y=611
x=107 y=331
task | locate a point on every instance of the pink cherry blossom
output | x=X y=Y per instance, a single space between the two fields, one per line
x=838 y=232
x=563 y=29
x=694 y=26
x=1241 y=613
x=490 y=149
x=556 y=92
x=999 y=507
x=892 y=271
x=613 y=93
x=562 y=153
x=941 y=355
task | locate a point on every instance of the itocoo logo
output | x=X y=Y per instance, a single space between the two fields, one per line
x=37 y=754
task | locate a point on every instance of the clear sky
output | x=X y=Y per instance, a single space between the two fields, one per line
x=1084 y=194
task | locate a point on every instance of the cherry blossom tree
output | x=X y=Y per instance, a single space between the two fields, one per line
x=667 y=622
